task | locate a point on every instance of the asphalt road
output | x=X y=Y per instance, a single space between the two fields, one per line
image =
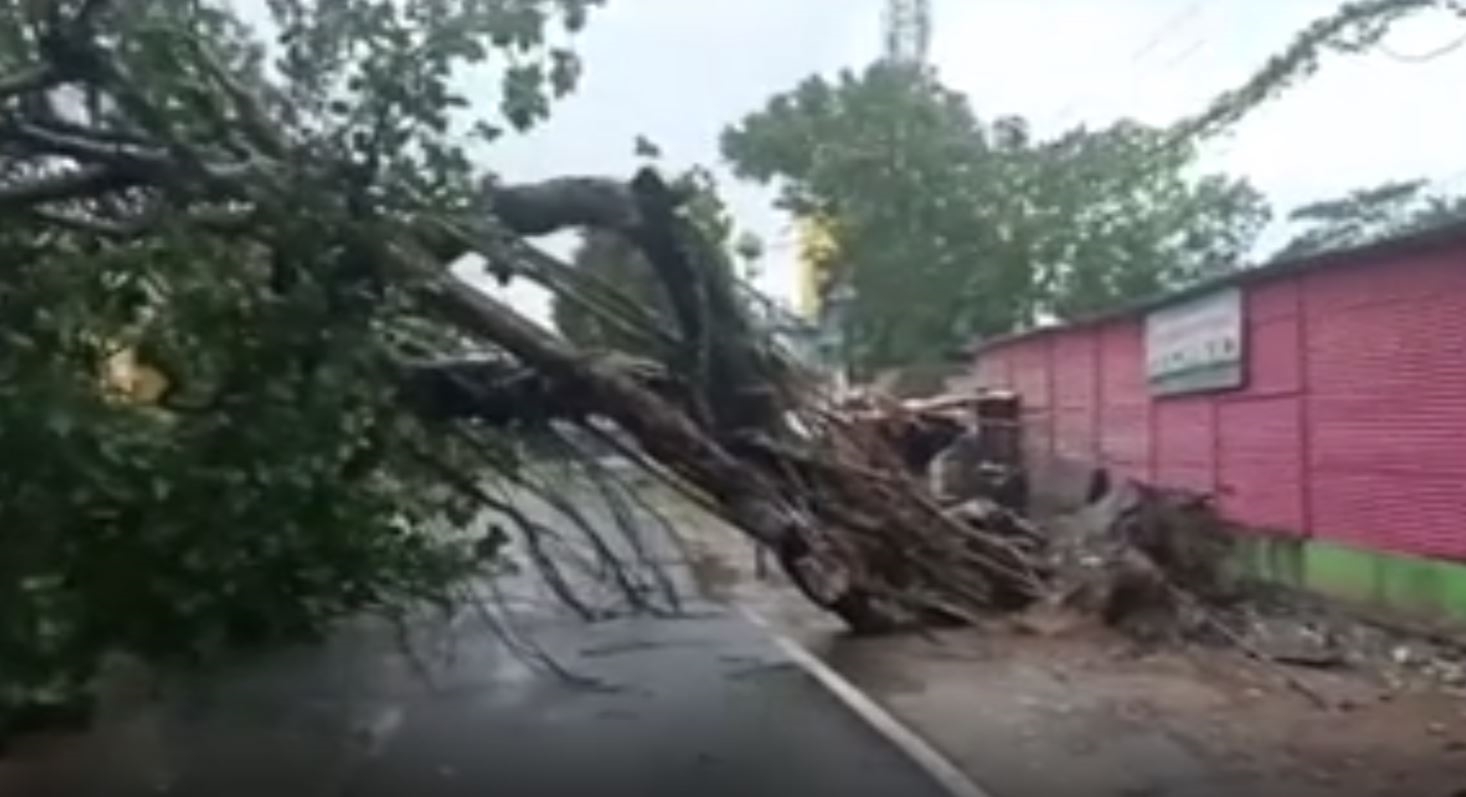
x=704 y=704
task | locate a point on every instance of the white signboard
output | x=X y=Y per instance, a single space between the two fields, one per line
x=1196 y=345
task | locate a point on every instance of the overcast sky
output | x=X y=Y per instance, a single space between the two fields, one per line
x=678 y=71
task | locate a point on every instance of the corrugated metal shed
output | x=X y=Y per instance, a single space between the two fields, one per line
x=1347 y=426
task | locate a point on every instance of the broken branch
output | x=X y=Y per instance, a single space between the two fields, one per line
x=71 y=184
x=27 y=81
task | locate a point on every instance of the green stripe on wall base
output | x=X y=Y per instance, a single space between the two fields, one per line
x=1427 y=587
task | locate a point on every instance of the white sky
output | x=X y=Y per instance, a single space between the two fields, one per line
x=678 y=71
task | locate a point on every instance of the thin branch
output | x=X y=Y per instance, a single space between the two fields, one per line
x=220 y=221
x=550 y=495
x=86 y=148
x=87 y=14
x=615 y=492
x=135 y=161
x=91 y=225
x=28 y=80
x=252 y=118
x=74 y=184
x=134 y=102
x=626 y=584
x=667 y=433
x=1369 y=20
x=521 y=644
x=51 y=120
x=533 y=532
x=629 y=586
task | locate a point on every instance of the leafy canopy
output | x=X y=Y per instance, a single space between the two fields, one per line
x=1367 y=215
x=270 y=481
x=987 y=230
x=948 y=228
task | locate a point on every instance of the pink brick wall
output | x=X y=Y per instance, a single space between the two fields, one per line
x=1075 y=400
x=1351 y=425
x=1125 y=407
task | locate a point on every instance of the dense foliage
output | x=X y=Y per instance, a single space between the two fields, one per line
x=266 y=481
x=976 y=223
x=987 y=229
x=1367 y=215
x=233 y=209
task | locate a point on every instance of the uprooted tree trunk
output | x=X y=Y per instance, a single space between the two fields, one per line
x=731 y=419
x=725 y=413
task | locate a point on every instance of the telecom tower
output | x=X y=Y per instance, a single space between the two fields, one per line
x=908 y=30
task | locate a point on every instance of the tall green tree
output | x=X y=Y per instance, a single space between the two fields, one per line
x=907 y=177
x=948 y=228
x=1120 y=216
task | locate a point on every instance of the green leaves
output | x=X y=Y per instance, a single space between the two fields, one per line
x=1367 y=215
x=564 y=71
x=902 y=168
x=948 y=229
x=270 y=485
x=1125 y=220
x=1352 y=27
x=524 y=101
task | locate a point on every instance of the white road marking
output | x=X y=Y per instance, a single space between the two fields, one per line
x=952 y=779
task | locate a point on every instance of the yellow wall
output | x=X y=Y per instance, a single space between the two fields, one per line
x=816 y=255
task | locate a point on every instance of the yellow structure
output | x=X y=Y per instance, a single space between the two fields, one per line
x=816 y=260
x=127 y=379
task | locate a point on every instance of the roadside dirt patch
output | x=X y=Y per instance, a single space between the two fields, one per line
x=1089 y=713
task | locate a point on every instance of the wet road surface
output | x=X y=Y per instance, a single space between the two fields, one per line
x=704 y=704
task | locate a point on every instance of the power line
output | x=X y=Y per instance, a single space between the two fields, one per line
x=1159 y=36
x=1429 y=55
x=1186 y=54
x=1170 y=25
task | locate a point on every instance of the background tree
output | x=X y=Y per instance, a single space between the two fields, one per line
x=903 y=170
x=1370 y=214
x=1117 y=217
x=948 y=229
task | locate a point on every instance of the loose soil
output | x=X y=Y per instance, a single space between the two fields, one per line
x=1071 y=711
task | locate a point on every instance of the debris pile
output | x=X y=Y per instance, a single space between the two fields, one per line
x=1155 y=563
x=1150 y=560
x=1308 y=631
x=1147 y=559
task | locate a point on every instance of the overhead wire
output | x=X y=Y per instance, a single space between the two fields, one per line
x=1149 y=45
x=1425 y=57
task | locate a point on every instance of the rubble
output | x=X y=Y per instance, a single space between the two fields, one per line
x=1152 y=562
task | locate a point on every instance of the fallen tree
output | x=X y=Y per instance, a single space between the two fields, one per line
x=279 y=250
x=276 y=239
